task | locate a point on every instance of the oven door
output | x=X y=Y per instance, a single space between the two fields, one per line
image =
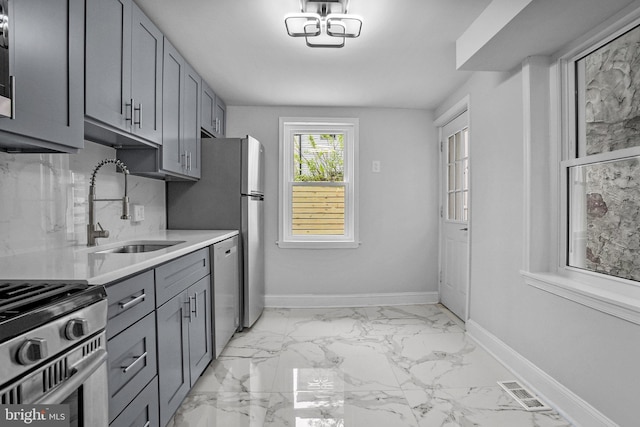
x=85 y=392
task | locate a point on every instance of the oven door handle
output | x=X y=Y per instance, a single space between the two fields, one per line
x=81 y=372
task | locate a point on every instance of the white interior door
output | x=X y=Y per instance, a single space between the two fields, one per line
x=454 y=218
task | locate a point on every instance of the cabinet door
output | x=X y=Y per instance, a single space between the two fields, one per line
x=47 y=61
x=146 y=77
x=208 y=108
x=173 y=72
x=200 y=340
x=173 y=354
x=226 y=292
x=108 y=61
x=220 y=118
x=191 y=121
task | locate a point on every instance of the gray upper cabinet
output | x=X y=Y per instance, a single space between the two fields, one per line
x=181 y=115
x=191 y=122
x=123 y=98
x=146 y=77
x=174 y=69
x=208 y=109
x=214 y=112
x=220 y=117
x=46 y=56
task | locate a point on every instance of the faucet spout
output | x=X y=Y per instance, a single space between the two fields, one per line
x=94 y=233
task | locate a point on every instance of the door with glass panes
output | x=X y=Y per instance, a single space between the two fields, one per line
x=454 y=218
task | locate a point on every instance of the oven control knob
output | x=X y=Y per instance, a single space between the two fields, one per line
x=32 y=350
x=76 y=328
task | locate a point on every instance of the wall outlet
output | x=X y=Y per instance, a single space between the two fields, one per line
x=375 y=166
x=138 y=213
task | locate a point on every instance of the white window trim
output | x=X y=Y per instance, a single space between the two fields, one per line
x=350 y=128
x=545 y=239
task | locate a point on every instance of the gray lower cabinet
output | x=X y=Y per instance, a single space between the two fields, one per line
x=131 y=347
x=46 y=61
x=226 y=292
x=123 y=75
x=161 y=334
x=184 y=344
x=177 y=275
x=143 y=410
x=132 y=363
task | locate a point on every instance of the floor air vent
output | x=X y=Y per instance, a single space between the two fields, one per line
x=523 y=396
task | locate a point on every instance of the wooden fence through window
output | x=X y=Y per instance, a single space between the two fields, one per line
x=318 y=210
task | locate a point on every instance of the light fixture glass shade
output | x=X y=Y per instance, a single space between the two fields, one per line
x=303 y=24
x=325 y=40
x=341 y=25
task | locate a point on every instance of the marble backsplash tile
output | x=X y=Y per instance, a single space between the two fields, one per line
x=43 y=200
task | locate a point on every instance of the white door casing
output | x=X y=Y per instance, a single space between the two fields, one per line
x=454 y=218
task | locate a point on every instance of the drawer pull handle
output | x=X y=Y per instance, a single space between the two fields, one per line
x=139 y=358
x=134 y=301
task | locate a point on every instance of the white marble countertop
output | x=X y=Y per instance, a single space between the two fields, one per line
x=84 y=264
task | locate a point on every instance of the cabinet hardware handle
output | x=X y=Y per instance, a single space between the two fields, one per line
x=129 y=107
x=147 y=424
x=139 y=110
x=138 y=359
x=189 y=310
x=464 y=229
x=12 y=83
x=133 y=301
x=183 y=164
x=195 y=302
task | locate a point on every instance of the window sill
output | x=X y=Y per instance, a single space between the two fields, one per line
x=619 y=299
x=317 y=245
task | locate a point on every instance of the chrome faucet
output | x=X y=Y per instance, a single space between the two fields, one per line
x=92 y=232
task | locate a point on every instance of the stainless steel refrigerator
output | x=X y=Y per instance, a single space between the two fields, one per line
x=229 y=195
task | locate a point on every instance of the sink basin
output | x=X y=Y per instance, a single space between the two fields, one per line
x=138 y=247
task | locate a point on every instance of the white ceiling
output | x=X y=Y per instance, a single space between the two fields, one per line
x=405 y=57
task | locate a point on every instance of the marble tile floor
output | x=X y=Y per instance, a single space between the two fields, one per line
x=355 y=367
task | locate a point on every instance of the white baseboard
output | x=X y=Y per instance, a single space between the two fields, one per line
x=568 y=404
x=350 y=300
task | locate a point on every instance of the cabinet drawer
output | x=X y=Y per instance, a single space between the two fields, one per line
x=176 y=276
x=129 y=301
x=132 y=363
x=143 y=411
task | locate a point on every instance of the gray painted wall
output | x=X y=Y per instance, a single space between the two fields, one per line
x=593 y=354
x=398 y=206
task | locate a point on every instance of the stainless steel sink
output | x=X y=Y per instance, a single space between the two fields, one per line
x=138 y=247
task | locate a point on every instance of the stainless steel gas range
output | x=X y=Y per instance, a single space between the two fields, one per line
x=53 y=349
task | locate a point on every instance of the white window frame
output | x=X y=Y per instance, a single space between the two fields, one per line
x=313 y=125
x=545 y=258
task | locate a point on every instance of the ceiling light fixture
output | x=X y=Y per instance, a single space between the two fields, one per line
x=323 y=23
